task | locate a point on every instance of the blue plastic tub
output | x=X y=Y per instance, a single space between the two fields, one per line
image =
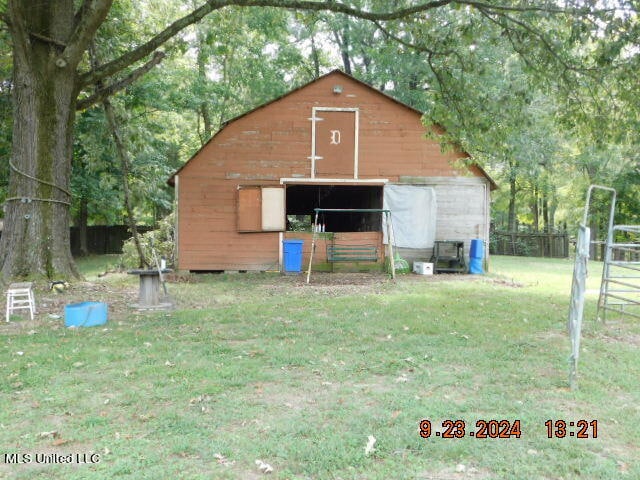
x=85 y=314
x=292 y=255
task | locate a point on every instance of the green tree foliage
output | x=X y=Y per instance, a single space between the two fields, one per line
x=243 y=58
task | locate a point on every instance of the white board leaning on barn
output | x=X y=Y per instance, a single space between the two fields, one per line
x=273 y=208
x=413 y=215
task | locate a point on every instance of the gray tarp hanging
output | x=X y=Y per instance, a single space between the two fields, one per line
x=413 y=213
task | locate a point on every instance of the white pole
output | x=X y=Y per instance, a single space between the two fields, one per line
x=391 y=240
x=313 y=245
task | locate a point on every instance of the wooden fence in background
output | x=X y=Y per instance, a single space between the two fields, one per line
x=554 y=245
x=103 y=239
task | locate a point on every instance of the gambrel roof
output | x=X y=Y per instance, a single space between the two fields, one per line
x=337 y=73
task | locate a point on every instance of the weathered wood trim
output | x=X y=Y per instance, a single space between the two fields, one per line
x=458 y=180
x=331 y=181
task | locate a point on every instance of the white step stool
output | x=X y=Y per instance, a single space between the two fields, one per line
x=19 y=297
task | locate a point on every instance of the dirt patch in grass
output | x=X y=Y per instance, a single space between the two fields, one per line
x=620 y=337
x=505 y=282
x=338 y=284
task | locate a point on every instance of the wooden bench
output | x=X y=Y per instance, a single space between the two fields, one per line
x=352 y=253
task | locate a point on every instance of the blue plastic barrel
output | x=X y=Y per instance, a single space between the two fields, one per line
x=85 y=314
x=292 y=255
x=477 y=248
x=476 y=254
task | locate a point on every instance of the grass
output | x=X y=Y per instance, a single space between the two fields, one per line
x=264 y=367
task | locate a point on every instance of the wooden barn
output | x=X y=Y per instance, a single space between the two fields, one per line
x=334 y=143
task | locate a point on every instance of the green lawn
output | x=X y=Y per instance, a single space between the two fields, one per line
x=263 y=367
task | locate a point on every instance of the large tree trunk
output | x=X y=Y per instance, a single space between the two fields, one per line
x=35 y=241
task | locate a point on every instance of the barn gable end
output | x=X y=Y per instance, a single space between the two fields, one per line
x=335 y=140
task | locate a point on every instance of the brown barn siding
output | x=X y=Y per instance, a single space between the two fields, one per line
x=274 y=142
x=208 y=239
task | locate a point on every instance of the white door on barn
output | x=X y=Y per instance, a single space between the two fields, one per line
x=334 y=149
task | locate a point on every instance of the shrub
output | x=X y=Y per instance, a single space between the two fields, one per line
x=161 y=240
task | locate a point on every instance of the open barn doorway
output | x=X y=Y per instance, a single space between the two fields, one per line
x=303 y=199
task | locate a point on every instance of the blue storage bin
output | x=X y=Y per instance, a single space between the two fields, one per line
x=85 y=314
x=292 y=255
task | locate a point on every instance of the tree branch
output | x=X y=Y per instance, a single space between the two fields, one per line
x=198 y=14
x=16 y=21
x=102 y=93
x=541 y=38
x=90 y=16
x=129 y=58
x=532 y=8
x=445 y=91
x=411 y=45
x=209 y=6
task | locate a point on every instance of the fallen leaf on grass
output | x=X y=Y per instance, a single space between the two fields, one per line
x=200 y=399
x=369 y=449
x=264 y=467
x=51 y=434
x=145 y=417
x=60 y=441
x=222 y=460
